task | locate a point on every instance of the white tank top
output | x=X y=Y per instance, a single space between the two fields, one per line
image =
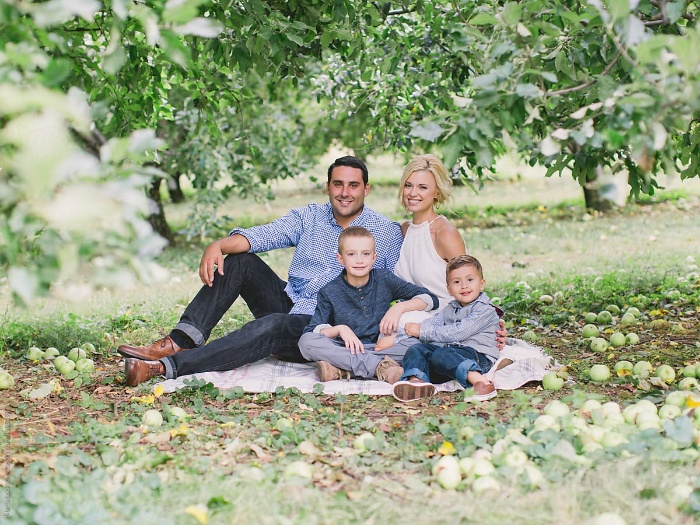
x=419 y=263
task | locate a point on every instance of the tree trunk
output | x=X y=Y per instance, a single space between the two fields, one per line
x=598 y=195
x=157 y=217
x=456 y=176
x=174 y=189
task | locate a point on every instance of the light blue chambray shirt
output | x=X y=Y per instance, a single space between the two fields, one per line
x=314 y=232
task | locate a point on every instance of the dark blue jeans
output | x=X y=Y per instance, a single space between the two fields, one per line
x=273 y=331
x=438 y=364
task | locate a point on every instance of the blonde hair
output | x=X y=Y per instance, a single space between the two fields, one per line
x=434 y=165
x=354 y=231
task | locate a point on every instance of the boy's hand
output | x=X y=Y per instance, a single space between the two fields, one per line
x=412 y=329
x=390 y=322
x=352 y=342
x=384 y=343
x=501 y=335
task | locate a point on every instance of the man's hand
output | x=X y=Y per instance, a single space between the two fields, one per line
x=384 y=343
x=501 y=335
x=352 y=342
x=412 y=329
x=213 y=257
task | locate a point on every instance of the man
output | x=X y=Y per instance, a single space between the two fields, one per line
x=281 y=310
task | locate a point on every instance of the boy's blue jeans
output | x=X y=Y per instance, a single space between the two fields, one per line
x=438 y=364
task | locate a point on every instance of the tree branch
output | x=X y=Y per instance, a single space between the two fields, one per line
x=587 y=83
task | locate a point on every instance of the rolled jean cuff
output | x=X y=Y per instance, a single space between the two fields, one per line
x=170 y=368
x=192 y=332
x=415 y=372
x=463 y=369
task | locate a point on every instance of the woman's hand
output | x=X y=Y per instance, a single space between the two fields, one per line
x=501 y=335
x=384 y=343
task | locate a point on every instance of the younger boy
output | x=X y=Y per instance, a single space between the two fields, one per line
x=459 y=342
x=354 y=309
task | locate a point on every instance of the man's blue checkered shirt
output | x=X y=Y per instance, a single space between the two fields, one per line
x=314 y=231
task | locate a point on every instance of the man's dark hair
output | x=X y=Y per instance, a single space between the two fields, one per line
x=352 y=162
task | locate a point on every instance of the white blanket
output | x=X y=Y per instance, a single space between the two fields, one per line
x=267 y=375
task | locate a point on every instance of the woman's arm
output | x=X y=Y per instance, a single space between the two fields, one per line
x=448 y=241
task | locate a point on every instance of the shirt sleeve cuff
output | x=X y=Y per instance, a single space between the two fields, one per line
x=251 y=240
x=427 y=300
x=320 y=327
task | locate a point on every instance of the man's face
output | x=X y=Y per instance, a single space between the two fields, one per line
x=346 y=192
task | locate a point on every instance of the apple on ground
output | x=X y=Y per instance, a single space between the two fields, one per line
x=551 y=381
x=89 y=348
x=617 y=339
x=51 y=353
x=598 y=344
x=605 y=317
x=529 y=336
x=628 y=319
x=152 y=418
x=6 y=380
x=642 y=369
x=299 y=469
x=600 y=373
x=632 y=338
x=34 y=353
x=688 y=383
x=546 y=299
x=556 y=408
x=677 y=397
x=669 y=411
x=590 y=330
x=76 y=353
x=634 y=311
x=691 y=370
x=613 y=309
x=85 y=365
x=666 y=373
x=65 y=367
x=364 y=442
x=591 y=317
x=623 y=368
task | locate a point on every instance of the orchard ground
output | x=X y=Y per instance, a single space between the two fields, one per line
x=79 y=453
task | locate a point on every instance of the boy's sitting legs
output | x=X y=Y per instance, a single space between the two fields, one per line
x=465 y=365
x=415 y=381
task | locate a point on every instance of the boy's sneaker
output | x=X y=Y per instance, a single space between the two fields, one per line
x=328 y=372
x=483 y=391
x=388 y=370
x=412 y=390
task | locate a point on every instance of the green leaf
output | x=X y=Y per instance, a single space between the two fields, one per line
x=527 y=90
x=483 y=19
x=175 y=50
x=56 y=72
x=619 y=8
x=674 y=10
x=181 y=11
x=429 y=131
x=512 y=13
x=113 y=62
x=204 y=27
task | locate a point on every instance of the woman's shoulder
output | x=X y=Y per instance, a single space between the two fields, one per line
x=448 y=241
x=404 y=226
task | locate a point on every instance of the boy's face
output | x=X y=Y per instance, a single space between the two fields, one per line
x=357 y=255
x=465 y=284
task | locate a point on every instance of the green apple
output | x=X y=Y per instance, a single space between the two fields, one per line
x=152 y=418
x=34 y=354
x=89 y=348
x=284 y=424
x=546 y=299
x=51 y=353
x=634 y=311
x=590 y=330
x=628 y=319
x=691 y=370
x=623 y=368
x=642 y=369
x=590 y=405
x=299 y=469
x=666 y=373
x=551 y=381
x=598 y=344
x=613 y=309
x=85 y=365
x=483 y=467
x=600 y=373
x=445 y=462
x=669 y=411
x=677 y=397
x=591 y=317
x=76 y=353
x=632 y=338
x=604 y=317
x=556 y=408
x=688 y=383
x=364 y=442
x=449 y=478
x=65 y=367
x=487 y=484
x=617 y=339
x=6 y=380
x=529 y=336
x=177 y=413
x=59 y=360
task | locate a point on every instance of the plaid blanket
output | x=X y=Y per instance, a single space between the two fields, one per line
x=529 y=363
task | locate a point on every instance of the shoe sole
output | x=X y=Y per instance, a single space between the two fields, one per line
x=407 y=391
x=482 y=397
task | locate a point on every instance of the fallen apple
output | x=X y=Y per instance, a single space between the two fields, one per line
x=591 y=317
x=589 y=405
x=364 y=442
x=617 y=339
x=604 y=317
x=466 y=466
x=600 y=373
x=691 y=370
x=34 y=353
x=666 y=373
x=65 y=368
x=632 y=338
x=590 y=330
x=613 y=309
x=445 y=462
x=6 y=380
x=483 y=467
x=152 y=418
x=449 y=478
x=85 y=365
x=642 y=369
x=177 y=413
x=76 y=353
x=623 y=368
x=89 y=348
x=598 y=344
x=669 y=411
x=677 y=397
x=529 y=336
x=299 y=469
x=688 y=383
x=628 y=319
x=634 y=311
x=51 y=353
x=284 y=424
x=551 y=381
x=486 y=484
x=546 y=299
x=556 y=408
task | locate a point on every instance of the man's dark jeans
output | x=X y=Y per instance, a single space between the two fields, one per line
x=273 y=331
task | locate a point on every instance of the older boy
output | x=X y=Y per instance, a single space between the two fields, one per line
x=459 y=342
x=354 y=308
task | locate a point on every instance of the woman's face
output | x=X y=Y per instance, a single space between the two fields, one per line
x=419 y=191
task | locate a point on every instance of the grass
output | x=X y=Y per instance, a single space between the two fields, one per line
x=81 y=455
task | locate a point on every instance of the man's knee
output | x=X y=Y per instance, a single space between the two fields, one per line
x=238 y=262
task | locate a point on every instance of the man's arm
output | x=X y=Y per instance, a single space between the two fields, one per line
x=214 y=255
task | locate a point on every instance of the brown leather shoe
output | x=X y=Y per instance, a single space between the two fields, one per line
x=136 y=371
x=161 y=348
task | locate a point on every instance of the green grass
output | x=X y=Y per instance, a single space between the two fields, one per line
x=81 y=454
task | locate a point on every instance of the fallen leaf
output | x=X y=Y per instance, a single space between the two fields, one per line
x=262 y=455
x=308 y=448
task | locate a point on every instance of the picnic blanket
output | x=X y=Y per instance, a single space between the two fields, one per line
x=529 y=363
